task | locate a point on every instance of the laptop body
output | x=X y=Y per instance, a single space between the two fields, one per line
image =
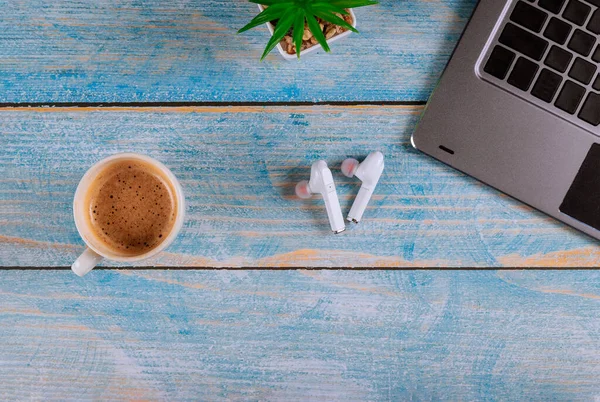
x=518 y=106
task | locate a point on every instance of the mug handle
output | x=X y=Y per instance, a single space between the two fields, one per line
x=86 y=262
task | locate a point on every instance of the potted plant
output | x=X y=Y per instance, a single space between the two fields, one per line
x=302 y=26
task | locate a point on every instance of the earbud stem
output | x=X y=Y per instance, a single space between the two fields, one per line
x=360 y=204
x=334 y=212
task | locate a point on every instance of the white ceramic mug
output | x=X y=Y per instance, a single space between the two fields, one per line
x=96 y=250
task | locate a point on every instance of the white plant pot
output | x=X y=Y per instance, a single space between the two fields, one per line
x=311 y=49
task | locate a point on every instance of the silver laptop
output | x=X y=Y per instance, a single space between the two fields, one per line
x=518 y=106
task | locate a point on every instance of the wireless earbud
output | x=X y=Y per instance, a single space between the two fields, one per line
x=321 y=182
x=369 y=172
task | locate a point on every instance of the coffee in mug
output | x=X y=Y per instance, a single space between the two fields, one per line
x=131 y=207
x=127 y=207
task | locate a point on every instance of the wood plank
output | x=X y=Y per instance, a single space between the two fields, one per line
x=182 y=50
x=300 y=335
x=238 y=167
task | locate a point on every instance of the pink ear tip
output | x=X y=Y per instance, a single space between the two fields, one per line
x=302 y=190
x=349 y=167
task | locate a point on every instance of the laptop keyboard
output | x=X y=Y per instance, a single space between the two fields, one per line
x=549 y=50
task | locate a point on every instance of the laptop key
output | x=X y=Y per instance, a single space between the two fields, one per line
x=558 y=59
x=583 y=71
x=594 y=24
x=596 y=55
x=554 y=6
x=557 y=31
x=570 y=97
x=577 y=12
x=581 y=42
x=596 y=84
x=528 y=16
x=523 y=41
x=590 y=111
x=546 y=85
x=499 y=62
x=594 y=2
x=522 y=74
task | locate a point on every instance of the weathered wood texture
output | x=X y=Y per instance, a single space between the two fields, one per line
x=238 y=167
x=300 y=335
x=187 y=50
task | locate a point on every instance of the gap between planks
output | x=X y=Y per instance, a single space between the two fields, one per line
x=189 y=107
x=192 y=268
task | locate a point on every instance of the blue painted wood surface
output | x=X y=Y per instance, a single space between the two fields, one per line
x=187 y=50
x=284 y=334
x=238 y=167
x=300 y=335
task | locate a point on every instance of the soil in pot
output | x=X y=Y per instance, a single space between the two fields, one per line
x=308 y=40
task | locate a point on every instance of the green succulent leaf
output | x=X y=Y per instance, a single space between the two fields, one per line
x=269 y=14
x=328 y=7
x=281 y=29
x=294 y=15
x=334 y=19
x=352 y=3
x=299 y=30
x=315 y=28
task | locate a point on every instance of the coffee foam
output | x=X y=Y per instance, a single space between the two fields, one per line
x=132 y=207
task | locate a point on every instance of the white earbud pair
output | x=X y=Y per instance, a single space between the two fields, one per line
x=321 y=182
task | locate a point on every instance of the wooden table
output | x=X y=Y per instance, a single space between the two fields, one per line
x=83 y=80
